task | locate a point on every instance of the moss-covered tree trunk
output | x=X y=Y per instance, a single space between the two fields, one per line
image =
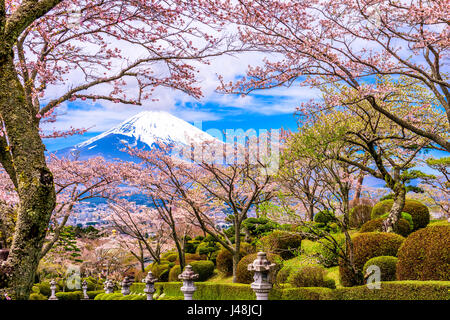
x=237 y=246
x=22 y=156
x=390 y=223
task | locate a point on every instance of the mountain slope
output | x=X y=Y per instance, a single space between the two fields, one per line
x=141 y=131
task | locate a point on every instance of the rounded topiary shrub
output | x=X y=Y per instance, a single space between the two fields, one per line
x=37 y=296
x=174 y=273
x=204 y=269
x=365 y=247
x=310 y=276
x=359 y=215
x=419 y=212
x=283 y=243
x=245 y=276
x=387 y=265
x=160 y=271
x=403 y=228
x=425 y=255
x=324 y=217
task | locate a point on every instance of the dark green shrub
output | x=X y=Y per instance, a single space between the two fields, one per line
x=387 y=265
x=75 y=295
x=44 y=288
x=425 y=255
x=245 y=276
x=258 y=227
x=283 y=243
x=93 y=294
x=359 y=215
x=160 y=271
x=37 y=296
x=419 y=212
x=403 y=228
x=366 y=246
x=174 y=273
x=310 y=276
x=204 y=269
x=324 y=217
x=171 y=257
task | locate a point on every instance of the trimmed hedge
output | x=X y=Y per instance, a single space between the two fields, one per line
x=324 y=216
x=282 y=243
x=245 y=276
x=74 y=295
x=397 y=290
x=224 y=262
x=119 y=296
x=418 y=211
x=425 y=255
x=37 y=296
x=392 y=290
x=367 y=246
x=403 y=228
x=387 y=265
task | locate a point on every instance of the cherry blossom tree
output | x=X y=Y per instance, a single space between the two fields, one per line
x=350 y=42
x=118 y=51
x=212 y=190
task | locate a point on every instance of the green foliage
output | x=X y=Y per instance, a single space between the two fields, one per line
x=208 y=248
x=324 y=217
x=367 y=246
x=258 y=227
x=44 y=288
x=75 y=295
x=419 y=212
x=171 y=257
x=425 y=255
x=245 y=276
x=67 y=243
x=160 y=271
x=204 y=269
x=93 y=294
x=402 y=228
x=397 y=290
x=283 y=274
x=283 y=243
x=359 y=215
x=37 y=296
x=310 y=276
x=119 y=296
x=324 y=250
x=174 y=273
x=387 y=265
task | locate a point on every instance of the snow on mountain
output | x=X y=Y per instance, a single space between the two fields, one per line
x=141 y=131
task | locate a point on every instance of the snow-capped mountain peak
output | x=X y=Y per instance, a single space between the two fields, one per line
x=142 y=131
x=149 y=126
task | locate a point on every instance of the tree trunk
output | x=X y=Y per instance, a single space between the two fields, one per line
x=237 y=248
x=25 y=164
x=311 y=212
x=358 y=189
x=389 y=225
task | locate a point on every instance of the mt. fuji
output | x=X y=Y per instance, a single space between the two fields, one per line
x=141 y=131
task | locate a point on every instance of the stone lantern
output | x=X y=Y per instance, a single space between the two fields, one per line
x=150 y=285
x=262 y=268
x=188 y=276
x=109 y=286
x=126 y=284
x=53 y=289
x=84 y=286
